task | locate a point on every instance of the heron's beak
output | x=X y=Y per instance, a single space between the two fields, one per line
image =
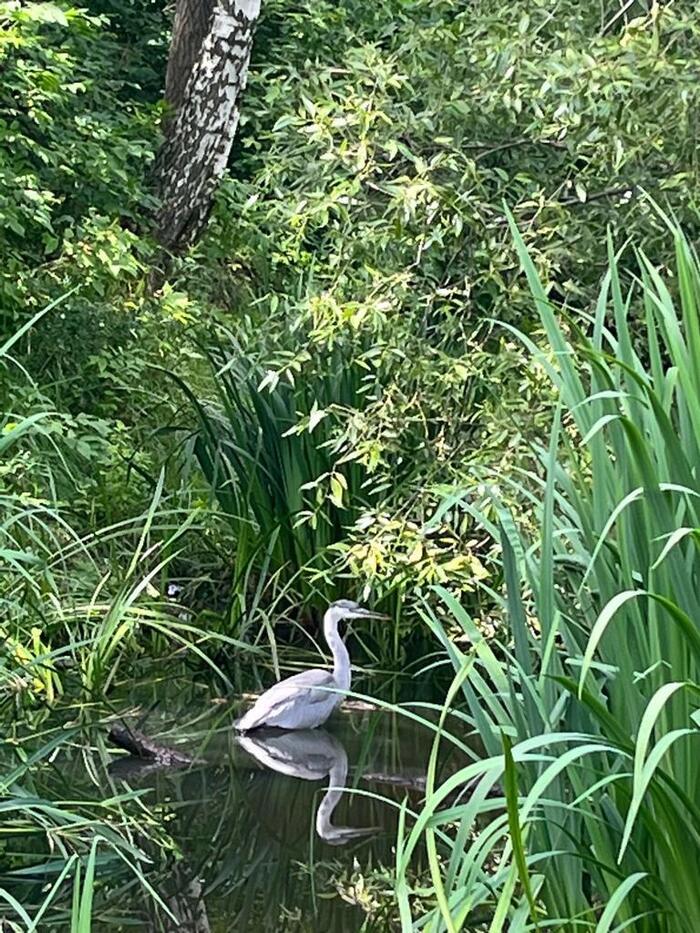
x=368 y=614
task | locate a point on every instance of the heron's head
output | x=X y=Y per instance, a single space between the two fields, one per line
x=347 y=609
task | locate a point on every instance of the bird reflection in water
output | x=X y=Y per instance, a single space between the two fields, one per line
x=311 y=755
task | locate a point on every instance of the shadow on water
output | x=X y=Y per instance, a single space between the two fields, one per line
x=277 y=829
x=310 y=755
x=272 y=831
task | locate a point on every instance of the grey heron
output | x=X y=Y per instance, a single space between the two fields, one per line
x=309 y=754
x=306 y=700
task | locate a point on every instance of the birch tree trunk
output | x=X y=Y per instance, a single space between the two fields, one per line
x=199 y=137
x=190 y=27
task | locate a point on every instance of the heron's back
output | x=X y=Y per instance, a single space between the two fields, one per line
x=303 y=701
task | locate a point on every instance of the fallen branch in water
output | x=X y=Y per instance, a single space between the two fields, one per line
x=140 y=746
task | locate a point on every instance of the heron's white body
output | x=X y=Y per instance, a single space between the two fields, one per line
x=306 y=700
x=294 y=704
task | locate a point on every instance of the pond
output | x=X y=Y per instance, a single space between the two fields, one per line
x=270 y=832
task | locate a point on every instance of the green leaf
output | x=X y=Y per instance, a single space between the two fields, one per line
x=616 y=900
x=516 y=836
x=45 y=13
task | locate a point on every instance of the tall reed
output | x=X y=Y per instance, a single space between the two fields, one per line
x=589 y=711
x=271 y=451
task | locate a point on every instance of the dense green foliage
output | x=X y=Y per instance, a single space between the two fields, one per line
x=345 y=388
x=361 y=230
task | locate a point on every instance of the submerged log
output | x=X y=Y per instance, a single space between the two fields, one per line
x=142 y=747
x=418 y=783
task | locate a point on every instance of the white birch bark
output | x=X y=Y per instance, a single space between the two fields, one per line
x=198 y=141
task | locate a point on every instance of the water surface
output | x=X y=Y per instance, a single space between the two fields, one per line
x=273 y=832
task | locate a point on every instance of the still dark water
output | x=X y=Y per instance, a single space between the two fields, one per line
x=278 y=832
x=272 y=832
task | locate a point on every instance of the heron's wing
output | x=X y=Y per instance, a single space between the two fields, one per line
x=306 y=680
x=300 y=685
x=286 y=694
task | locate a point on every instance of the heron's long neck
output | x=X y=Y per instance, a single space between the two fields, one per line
x=341 y=658
x=337 y=776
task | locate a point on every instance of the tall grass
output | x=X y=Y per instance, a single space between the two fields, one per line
x=67 y=597
x=589 y=711
x=71 y=613
x=270 y=448
x=69 y=846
